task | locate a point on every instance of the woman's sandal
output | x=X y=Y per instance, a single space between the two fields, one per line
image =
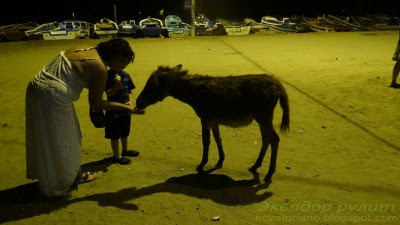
x=88 y=176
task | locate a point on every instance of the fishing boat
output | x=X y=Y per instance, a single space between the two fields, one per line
x=283 y=25
x=202 y=21
x=318 y=25
x=37 y=32
x=151 y=27
x=205 y=27
x=127 y=28
x=16 y=32
x=105 y=28
x=84 y=28
x=345 y=22
x=334 y=24
x=256 y=27
x=235 y=27
x=175 y=26
x=67 y=29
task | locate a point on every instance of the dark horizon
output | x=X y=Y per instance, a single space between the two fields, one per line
x=93 y=11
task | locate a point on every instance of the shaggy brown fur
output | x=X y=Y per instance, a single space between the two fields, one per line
x=233 y=101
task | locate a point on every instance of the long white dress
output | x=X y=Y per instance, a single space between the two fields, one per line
x=53 y=136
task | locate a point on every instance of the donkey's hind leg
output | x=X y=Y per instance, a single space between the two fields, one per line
x=205 y=127
x=274 y=154
x=266 y=132
x=218 y=140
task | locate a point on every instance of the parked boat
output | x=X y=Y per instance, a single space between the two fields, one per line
x=256 y=27
x=67 y=29
x=105 y=28
x=151 y=27
x=345 y=22
x=235 y=27
x=16 y=32
x=4 y=29
x=205 y=27
x=37 y=32
x=128 y=28
x=282 y=25
x=176 y=27
x=203 y=22
x=335 y=24
x=379 y=22
x=318 y=25
x=84 y=27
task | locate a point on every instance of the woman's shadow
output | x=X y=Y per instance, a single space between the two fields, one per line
x=25 y=201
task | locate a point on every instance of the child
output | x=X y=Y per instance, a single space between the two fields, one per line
x=118 y=122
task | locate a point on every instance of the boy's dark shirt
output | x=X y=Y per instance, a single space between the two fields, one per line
x=122 y=95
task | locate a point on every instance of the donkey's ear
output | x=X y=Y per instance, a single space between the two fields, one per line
x=177 y=68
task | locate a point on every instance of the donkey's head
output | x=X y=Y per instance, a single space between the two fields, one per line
x=156 y=88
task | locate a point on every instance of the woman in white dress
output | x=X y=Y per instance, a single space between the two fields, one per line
x=53 y=136
x=396 y=67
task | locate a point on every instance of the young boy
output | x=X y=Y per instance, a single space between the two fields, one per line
x=118 y=122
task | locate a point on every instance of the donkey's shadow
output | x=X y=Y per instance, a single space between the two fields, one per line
x=216 y=187
x=25 y=201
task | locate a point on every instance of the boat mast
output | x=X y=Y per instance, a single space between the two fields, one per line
x=115 y=14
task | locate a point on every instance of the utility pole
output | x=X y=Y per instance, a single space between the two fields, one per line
x=193 y=9
x=115 y=14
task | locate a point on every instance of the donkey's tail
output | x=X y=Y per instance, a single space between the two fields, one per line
x=284 y=102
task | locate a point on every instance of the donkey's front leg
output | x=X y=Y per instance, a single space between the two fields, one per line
x=205 y=126
x=218 y=140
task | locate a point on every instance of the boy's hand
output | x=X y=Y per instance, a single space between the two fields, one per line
x=117 y=85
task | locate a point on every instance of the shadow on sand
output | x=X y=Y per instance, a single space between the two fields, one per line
x=25 y=201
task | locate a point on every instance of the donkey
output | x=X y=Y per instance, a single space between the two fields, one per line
x=233 y=101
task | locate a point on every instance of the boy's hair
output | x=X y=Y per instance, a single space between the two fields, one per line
x=115 y=48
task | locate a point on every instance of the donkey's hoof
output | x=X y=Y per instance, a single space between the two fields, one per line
x=253 y=169
x=200 y=168
x=268 y=180
x=219 y=165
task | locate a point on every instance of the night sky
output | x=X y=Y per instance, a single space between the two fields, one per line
x=93 y=10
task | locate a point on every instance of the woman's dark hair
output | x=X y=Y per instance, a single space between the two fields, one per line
x=115 y=48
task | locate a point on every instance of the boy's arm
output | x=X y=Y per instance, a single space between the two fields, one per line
x=130 y=98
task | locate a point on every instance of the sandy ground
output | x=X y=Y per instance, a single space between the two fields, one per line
x=339 y=164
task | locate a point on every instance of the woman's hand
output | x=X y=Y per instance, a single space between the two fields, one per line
x=138 y=111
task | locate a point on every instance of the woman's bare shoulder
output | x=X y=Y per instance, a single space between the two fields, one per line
x=82 y=54
x=73 y=49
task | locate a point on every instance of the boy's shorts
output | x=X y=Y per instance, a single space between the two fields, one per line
x=117 y=127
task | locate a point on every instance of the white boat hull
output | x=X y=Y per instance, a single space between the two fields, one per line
x=61 y=35
x=106 y=33
x=237 y=30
